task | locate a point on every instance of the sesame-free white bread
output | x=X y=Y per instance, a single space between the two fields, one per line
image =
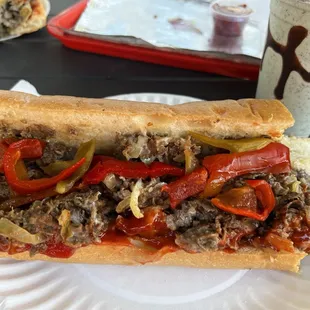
x=247 y=258
x=75 y=120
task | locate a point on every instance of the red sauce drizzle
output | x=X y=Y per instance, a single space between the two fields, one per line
x=160 y=241
x=58 y=250
x=301 y=239
x=151 y=230
x=229 y=251
x=12 y=247
x=115 y=237
x=18 y=248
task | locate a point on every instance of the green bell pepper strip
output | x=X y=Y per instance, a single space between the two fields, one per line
x=233 y=145
x=86 y=150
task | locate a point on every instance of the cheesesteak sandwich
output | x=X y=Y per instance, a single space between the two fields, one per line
x=21 y=16
x=204 y=184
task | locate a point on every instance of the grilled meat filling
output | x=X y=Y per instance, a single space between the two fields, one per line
x=12 y=14
x=83 y=216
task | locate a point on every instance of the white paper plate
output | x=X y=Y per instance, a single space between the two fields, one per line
x=40 y=285
x=47 y=6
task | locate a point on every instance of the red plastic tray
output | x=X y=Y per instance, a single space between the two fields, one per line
x=65 y=21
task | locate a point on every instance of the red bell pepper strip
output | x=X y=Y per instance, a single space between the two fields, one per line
x=129 y=169
x=274 y=158
x=99 y=158
x=158 y=169
x=264 y=194
x=187 y=186
x=152 y=224
x=243 y=200
x=239 y=201
x=30 y=148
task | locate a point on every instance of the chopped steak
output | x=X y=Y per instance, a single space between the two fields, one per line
x=207 y=227
x=56 y=151
x=151 y=195
x=150 y=148
x=303 y=177
x=282 y=184
x=198 y=239
x=35 y=219
x=4 y=188
x=38 y=131
x=190 y=213
x=88 y=217
x=120 y=188
x=34 y=172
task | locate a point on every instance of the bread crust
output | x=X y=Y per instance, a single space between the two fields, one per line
x=74 y=120
x=247 y=258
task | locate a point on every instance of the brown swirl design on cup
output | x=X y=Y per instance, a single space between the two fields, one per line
x=296 y=36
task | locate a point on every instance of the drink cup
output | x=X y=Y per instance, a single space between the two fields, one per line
x=285 y=68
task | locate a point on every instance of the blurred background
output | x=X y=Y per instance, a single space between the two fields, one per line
x=180 y=47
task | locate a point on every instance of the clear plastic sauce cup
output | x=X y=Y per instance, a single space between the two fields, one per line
x=230 y=17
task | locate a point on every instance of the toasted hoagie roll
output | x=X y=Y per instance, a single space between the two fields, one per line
x=203 y=184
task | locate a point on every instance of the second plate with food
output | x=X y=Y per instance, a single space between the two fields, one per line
x=47 y=8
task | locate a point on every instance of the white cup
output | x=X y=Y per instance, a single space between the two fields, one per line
x=285 y=69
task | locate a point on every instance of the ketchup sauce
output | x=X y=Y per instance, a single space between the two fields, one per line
x=58 y=250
